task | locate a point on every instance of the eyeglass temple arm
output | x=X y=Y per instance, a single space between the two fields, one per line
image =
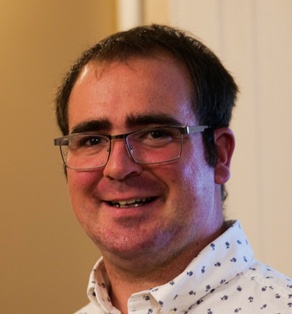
x=196 y=129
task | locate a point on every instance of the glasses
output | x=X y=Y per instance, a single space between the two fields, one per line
x=88 y=151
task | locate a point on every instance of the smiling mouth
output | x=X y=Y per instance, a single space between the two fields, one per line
x=131 y=203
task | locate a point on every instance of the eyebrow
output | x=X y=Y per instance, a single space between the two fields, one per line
x=94 y=125
x=148 y=119
x=132 y=121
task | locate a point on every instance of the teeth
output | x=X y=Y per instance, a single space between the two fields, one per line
x=132 y=202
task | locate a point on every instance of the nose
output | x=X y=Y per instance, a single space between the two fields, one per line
x=120 y=164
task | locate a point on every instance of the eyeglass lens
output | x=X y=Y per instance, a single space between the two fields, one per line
x=85 y=151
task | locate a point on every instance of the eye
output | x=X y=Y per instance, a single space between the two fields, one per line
x=160 y=134
x=157 y=137
x=91 y=141
x=88 y=141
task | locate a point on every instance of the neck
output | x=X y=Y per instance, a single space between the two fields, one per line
x=128 y=276
x=125 y=282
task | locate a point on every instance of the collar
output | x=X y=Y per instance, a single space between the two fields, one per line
x=218 y=263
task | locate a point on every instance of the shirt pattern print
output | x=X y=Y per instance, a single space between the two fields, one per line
x=224 y=278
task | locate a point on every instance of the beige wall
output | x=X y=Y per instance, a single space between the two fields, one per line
x=45 y=257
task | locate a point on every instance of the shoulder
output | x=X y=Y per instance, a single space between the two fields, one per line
x=266 y=287
x=254 y=289
x=264 y=275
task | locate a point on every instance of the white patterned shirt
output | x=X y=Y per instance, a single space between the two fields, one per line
x=224 y=278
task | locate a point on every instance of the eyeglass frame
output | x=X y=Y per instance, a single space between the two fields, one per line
x=184 y=130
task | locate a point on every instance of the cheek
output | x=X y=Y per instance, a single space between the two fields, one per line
x=196 y=168
x=80 y=184
x=81 y=179
x=194 y=180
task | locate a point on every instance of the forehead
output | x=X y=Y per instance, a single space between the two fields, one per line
x=114 y=91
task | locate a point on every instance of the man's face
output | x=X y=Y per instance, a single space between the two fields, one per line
x=176 y=204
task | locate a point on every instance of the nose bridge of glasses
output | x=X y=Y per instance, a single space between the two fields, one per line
x=118 y=136
x=121 y=137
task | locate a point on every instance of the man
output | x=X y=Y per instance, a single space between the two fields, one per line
x=147 y=151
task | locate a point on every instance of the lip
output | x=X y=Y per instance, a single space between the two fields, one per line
x=132 y=214
x=138 y=196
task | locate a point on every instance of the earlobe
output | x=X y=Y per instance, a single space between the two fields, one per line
x=225 y=143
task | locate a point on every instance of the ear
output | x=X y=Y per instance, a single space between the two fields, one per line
x=225 y=143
